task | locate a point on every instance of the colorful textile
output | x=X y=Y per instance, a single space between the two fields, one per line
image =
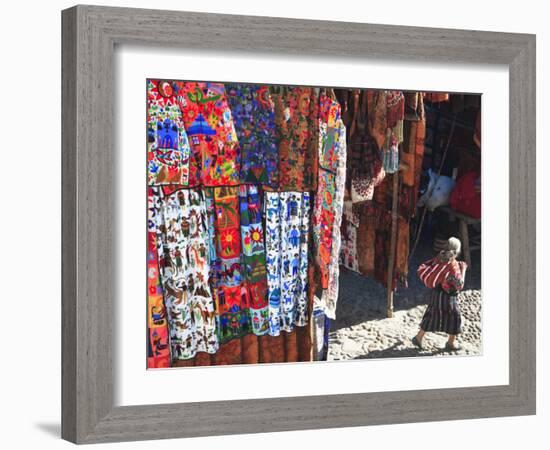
x=449 y=275
x=327 y=205
x=286 y=241
x=253 y=258
x=232 y=293
x=296 y=117
x=350 y=225
x=254 y=117
x=395 y=102
x=168 y=149
x=329 y=296
x=182 y=232
x=158 y=350
x=209 y=125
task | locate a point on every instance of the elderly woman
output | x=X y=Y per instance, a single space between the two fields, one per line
x=444 y=275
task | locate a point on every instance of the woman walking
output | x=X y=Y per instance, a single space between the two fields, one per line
x=444 y=275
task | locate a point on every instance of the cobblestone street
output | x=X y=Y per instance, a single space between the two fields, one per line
x=361 y=329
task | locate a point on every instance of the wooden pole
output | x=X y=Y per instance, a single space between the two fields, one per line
x=393 y=245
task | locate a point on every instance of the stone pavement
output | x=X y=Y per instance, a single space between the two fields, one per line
x=361 y=329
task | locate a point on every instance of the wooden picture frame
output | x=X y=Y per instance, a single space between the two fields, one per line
x=90 y=34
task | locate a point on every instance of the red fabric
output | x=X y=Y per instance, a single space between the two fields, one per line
x=464 y=198
x=447 y=274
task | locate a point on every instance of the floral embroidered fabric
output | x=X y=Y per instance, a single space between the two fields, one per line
x=232 y=293
x=254 y=118
x=209 y=126
x=336 y=147
x=331 y=149
x=253 y=257
x=158 y=353
x=168 y=149
x=296 y=118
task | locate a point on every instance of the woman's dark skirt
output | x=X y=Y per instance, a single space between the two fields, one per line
x=442 y=313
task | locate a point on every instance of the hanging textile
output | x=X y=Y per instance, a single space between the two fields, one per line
x=254 y=116
x=287 y=230
x=253 y=255
x=395 y=104
x=296 y=117
x=329 y=295
x=168 y=149
x=436 y=97
x=184 y=272
x=328 y=205
x=366 y=169
x=232 y=293
x=209 y=125
x=350 y=225
x=158 y=350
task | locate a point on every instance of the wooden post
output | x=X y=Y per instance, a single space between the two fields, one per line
x=463 y=230
x=393 y=245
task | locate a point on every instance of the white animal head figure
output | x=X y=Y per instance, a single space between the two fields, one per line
x=438 y=193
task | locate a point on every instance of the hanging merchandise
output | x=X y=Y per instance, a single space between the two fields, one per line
x=466 y=195
x=296 y=117
x=158 y=350
x=329 y=201
x=232 y=293
x=350 y=225
x=168 y=149
x=182 y=234
x=436 y=97
x=366 y=168
x=324 y=206
x=253 y=258
x=390 y=153
x=395 y=104
x=286 y=242
x=209 y=126
x=254 y=116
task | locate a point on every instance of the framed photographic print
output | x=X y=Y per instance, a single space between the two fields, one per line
x=251 y=214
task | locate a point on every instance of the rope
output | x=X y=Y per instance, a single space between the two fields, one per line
x=430 y=192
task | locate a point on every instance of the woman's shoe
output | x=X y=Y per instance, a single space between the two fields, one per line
x=451 y=347
x=416 y=342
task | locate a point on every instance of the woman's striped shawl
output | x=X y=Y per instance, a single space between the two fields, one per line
x=450 y=274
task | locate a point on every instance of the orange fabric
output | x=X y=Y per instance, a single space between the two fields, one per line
x=291 y=347
x=304 y=342
x=250 y=349
x=229 y=353
x=203 y=359
x=184 y=362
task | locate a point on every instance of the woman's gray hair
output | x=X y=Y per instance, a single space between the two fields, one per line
x=452 y=249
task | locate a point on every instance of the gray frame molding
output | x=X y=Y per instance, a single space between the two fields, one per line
x=89 y=36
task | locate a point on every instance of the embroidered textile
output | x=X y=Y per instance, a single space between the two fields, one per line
x=158 y=354
x=296 y=117
x=253 y=257
x=232 y=293
x=330 y=187
x=287 y=230
x=168 y=149
x=254 y=117
x=209 y=125
x=329 y=296
x=182 y=233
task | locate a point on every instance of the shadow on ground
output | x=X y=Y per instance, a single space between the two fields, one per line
x=356 y=289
